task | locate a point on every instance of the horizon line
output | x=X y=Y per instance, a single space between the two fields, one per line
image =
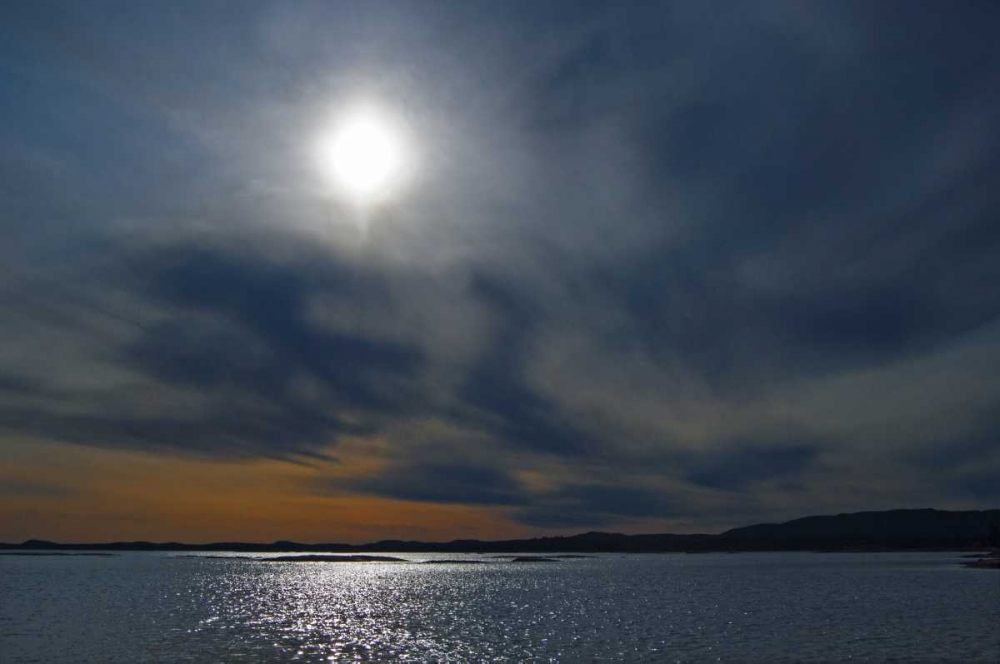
x=281 y=541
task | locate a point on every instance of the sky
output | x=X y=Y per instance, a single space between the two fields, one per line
x=655 y=267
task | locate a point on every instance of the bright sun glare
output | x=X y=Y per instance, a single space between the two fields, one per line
x=364 y=155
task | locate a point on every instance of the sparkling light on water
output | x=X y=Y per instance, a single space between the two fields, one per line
x=801 y=607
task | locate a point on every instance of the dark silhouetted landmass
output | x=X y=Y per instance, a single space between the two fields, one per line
x=307 y=558
x=92 y=554
x=893 y=530
x=533 y=559
x=333 y=559
x=985 y=561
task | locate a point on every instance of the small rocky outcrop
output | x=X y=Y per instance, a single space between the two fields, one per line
x=989 y=560
x=315 y=558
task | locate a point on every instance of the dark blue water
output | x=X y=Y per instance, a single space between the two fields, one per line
x=758 y=607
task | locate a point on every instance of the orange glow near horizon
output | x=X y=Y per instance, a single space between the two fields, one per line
x=93 y=494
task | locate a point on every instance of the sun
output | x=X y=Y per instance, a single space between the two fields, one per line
x=364 y=154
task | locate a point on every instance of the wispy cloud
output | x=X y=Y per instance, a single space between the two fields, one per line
x=688 y=259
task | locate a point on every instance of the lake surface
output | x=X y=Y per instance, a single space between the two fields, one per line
x=673 y=607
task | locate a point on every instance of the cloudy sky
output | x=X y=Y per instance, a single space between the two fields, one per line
x=668 y=266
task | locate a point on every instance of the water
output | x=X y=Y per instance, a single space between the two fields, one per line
x=761 y=607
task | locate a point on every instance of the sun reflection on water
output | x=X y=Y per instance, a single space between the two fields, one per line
x=623 y=608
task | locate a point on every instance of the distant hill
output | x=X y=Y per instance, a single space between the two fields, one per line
x=925 y=528
x=893 y=530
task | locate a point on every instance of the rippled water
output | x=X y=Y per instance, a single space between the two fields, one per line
x=162 y=607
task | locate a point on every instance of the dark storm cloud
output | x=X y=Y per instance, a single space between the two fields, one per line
x=13 y=385
x=748 y=463
x=496 y=385
x=234 y=330
x=968 y=463
x=444 y=483
x=594 y=504
x=268 y=302
x=639 y=236
x=234 y=431
x=718 y=323
x=821 y=245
